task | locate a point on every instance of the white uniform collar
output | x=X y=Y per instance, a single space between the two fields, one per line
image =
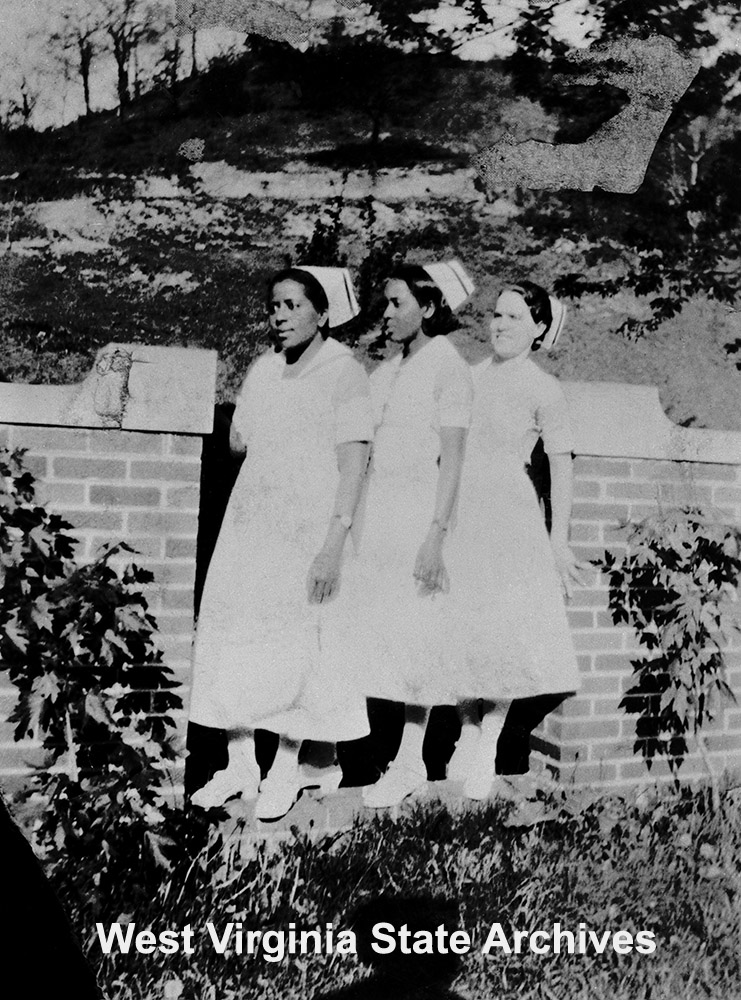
x=330 y=351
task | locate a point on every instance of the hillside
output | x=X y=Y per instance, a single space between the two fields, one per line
x=99 y=249
x=261 y=110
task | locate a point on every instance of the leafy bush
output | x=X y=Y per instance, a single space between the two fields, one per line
x=79 y=645
x=674 y=585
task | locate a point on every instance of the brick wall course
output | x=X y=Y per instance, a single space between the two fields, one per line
x=89 y=469
x=125 y=496
x=180 y=548
x=110 y=442
x=601 y=684
x=603 y=467
x=170 y=470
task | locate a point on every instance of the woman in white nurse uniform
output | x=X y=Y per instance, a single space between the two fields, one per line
x=304 y=416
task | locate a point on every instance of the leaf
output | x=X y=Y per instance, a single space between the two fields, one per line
x=16 y=636
x=110 y=636
x=96 y=709
x=41 y=616
x=681 y=701
x=47 y=686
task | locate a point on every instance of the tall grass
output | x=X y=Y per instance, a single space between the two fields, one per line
x=671 y=865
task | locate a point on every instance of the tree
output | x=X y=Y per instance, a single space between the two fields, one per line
x=169 y=66
x=127 y=25
x=171 y=60
x=76 y=39
x=186 y=23
x=20 y=102
x=363 y=74
x=26 y=101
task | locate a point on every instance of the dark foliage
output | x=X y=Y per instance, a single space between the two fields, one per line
x=674 y=585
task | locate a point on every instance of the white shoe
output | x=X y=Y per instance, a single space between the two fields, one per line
x=465 y=756
x=478 y=784
x=323 y=781
x=277 y=796
x=226 y=784
x=393 y=787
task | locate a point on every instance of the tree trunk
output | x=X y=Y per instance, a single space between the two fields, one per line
x=137 y=82
x=86 y=58
x=377 y=120
x=122 y=83
x=174 y=66
x=174 y=83
x=27 y=103
x=86 y=90
x=193 y=63
x=121 y=53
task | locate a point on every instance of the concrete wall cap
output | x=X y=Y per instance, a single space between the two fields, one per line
x=615 y=420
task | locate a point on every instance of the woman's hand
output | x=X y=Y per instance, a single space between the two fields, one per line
x=323 y=580
x=429 y=569
x=569 y=569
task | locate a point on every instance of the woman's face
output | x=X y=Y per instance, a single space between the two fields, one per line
x=513 y=329
x=402 y=318
x=293 y=319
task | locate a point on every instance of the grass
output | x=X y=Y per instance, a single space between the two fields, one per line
x=669 y=864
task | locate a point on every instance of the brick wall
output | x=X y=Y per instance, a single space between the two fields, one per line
x=631 y=461
x=116 y=484
x=138 y=481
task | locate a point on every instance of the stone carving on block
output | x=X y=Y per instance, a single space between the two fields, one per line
x=130 y=387
x=112 y=370
x=136 y=387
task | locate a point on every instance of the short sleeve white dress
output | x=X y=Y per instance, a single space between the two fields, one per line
x=508 y=618
x=397 y=632
x=259 y=660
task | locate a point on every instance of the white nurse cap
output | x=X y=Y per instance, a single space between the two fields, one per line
x=453 y=281
x=558 y=311
x=337 y=285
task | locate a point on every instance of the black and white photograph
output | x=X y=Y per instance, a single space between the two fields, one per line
x=370 y=521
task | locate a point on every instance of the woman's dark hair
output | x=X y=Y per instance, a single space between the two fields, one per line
x=312 y=288
x=538 y=302
x=426 y=292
